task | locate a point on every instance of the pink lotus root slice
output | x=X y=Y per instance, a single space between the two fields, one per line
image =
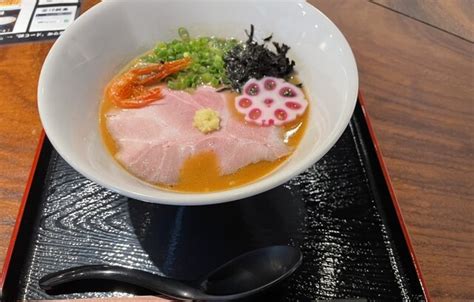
x=270 y=101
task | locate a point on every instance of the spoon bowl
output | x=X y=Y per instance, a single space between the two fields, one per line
x=241 y=277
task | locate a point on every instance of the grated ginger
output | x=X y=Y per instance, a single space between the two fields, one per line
x=207 y=120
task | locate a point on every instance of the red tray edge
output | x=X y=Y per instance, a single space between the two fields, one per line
x=383 y=166
x=19 y=217
x=393 y=196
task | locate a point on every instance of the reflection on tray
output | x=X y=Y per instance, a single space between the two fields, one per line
x=176 y=237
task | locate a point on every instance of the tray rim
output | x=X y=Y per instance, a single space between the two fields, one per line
x=393 y=196
x=378 y=151
x=18 y=220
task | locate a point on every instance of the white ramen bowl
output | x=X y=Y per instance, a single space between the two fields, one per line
x=100 y=42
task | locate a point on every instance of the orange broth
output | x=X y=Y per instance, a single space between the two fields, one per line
x=200 y=173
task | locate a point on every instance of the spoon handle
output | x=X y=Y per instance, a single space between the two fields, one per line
x=162 y=285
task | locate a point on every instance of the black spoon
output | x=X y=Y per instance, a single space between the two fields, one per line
x=241 y=277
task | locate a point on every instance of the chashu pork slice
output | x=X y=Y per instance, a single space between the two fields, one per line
x=154 y=141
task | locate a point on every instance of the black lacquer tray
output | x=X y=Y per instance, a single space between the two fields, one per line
x=341 y=213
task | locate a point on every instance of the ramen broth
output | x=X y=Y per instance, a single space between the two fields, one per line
x=200 y=173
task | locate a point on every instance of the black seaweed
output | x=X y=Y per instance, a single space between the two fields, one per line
x=253 y=60
x=268 y=38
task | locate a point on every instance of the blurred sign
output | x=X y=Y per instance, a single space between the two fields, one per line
x=30 y=20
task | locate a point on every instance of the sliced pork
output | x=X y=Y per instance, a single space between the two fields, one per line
x=154 y=141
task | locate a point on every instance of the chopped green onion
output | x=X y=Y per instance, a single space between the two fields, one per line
x=207 y=59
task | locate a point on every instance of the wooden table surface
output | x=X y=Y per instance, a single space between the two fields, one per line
x=415 y=60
